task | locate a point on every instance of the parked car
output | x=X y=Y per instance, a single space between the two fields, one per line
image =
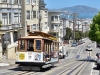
x=89 y=48
x=80 y=42
x=74 y=44
x=98 y=45
x=97 y=61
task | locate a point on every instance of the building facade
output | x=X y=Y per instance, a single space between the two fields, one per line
x=34 y=16
x=10 y=16
x=54 y=23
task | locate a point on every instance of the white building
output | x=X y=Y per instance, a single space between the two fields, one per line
x=54 y=23
x=10 y=15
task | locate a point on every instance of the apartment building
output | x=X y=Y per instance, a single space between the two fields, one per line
x=54 y=23
x=44 y=17
x=10 y=16
x=34 y=16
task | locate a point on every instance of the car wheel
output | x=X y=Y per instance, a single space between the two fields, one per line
x=97 y=66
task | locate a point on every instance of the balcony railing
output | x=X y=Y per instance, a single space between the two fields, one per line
x=6 y=28
x=54 y=30
x=10 y=27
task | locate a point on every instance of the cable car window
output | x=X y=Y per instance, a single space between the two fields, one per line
x=30 y=45
x=22 y=44
x=38 y=44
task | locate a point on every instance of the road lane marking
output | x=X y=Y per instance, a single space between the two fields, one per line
x=57 y=68
x=92 y=68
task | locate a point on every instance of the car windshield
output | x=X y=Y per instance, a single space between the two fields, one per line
x=74 y=43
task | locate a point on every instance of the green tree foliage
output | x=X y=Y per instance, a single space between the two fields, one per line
x=68 y=34
x=94 y=33
x=0 y=23
x=77 y=35
x=86 y=34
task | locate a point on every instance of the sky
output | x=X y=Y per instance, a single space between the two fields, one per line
x=56 y=4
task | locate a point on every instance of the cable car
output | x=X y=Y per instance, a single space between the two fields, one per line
x=37 y=50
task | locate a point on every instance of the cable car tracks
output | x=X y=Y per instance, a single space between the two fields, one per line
x=75 y=69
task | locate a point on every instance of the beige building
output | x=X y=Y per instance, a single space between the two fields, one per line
x=10 y=16
x=34 y=16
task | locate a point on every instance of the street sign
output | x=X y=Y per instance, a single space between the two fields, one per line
x=6 y=36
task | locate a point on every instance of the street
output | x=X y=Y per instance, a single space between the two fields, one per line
x=78 y=62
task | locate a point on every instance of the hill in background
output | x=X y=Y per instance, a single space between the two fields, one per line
x=84 y=11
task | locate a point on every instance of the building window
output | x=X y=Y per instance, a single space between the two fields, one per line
x=46 y=14
x=15 y=36
x=20 y=18
x=56 y=18
x=46 y=25
x=55 y=34
x=4 y=19
x=34 y=14
x=28 y=28
x=33 y=27
x=4 y=0
x=33 y=2
x=27 y=1
x=56 y=27
x=52 y=26
x=28 y=14
x=15 y=1
x=60 y=31
x=15 y=17
x=9 y=18
x=52 y=18
x=19 y=1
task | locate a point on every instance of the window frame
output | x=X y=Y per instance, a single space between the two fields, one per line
x=5 y=1
x=19 y=41
x=28 y=14
x=35 y=45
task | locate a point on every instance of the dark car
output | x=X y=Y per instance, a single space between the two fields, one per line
x=98 y=45
x=97 y=61
x=74 y=44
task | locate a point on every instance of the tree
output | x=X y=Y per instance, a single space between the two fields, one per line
x=0 y=24
x=86 y=34
x=94 y=33
x=81 y=34
x=68 y=34
x=77 y=35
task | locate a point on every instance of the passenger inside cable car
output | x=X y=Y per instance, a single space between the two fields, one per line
x=30 y=44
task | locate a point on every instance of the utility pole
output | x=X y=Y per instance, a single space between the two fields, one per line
x=39 y=17
x=78 y=24
x=74 y=24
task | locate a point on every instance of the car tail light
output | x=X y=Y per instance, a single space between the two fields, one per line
x=98 y=56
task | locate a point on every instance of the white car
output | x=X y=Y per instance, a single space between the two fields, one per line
x=89 y=48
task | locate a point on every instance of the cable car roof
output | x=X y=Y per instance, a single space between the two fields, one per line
x=39 y=35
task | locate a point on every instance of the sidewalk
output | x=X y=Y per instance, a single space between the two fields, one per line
x=7 y=62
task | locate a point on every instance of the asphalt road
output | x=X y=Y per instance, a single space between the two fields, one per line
x=78 y=62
